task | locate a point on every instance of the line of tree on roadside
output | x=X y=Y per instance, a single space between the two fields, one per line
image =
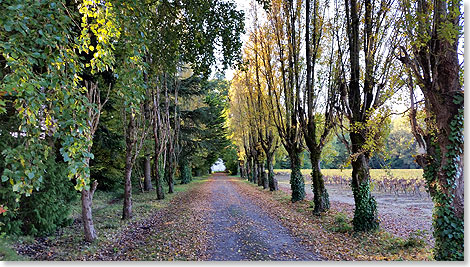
x=316 y=70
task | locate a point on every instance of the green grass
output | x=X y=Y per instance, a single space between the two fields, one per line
x=107 y=212
x=7 y=253
x=341 y=223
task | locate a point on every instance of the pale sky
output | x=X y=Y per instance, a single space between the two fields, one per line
x=241 y=5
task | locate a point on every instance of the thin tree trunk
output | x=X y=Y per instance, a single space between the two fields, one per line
x=169 y=171
x=87 y=218
x=130 y=142
x=158 y=178
x=249 y=173
x=147 y=174
x=320 y=195
x=127 y=206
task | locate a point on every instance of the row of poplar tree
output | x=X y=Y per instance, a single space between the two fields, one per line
x=316 y=68
x=64 y=63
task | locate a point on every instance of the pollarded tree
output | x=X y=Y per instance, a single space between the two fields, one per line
x=283 y=76
x=433 y=30
x=372 y=38
x=322 y=94
x=260 y=102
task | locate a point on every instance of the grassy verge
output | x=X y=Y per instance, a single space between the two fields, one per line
x=68 y=243
x=331 y=234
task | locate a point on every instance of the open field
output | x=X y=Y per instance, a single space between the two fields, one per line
x=385 y=180
x=376 y=174
x=404 y=209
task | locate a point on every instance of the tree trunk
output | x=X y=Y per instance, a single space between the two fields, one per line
x=130 y=142
x=271 y=180
x=365 y=213
x=254 y=171
x=297 y=184
x=127 y=206
x=169 y=171
x=260 y=173
x=87 y=219
x=147 y=174
x=249 y=173
x=158 y=177
x=264 y=177
x=321 y=199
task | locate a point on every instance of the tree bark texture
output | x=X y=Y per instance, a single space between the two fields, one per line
x=169 y=174
x=158 y=177
x=87 y=218
x=147 y=174
x=130 y=141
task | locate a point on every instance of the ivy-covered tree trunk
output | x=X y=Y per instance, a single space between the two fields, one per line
x=271 y=180
x=433 y=60
x=147 y=174
x=297 y=184
x=321 y=199
x=365 y=212
x=87 y=218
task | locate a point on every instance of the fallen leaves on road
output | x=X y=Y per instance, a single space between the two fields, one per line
x=314 y=231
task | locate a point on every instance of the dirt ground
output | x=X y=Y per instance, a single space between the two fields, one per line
x=243 y=231
x=401 y=215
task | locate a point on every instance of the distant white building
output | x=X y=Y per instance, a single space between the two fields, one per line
x=218 y=166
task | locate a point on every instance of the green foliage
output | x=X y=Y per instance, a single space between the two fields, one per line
x=341 y=223
x=108 y=163
x=186 y=172
x=40 y=79
x=230 y=158
x=45 y=210
x=7 y=253
x=48 y=209
x=414 y=240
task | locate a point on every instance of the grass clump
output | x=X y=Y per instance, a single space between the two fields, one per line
x=341 y=223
